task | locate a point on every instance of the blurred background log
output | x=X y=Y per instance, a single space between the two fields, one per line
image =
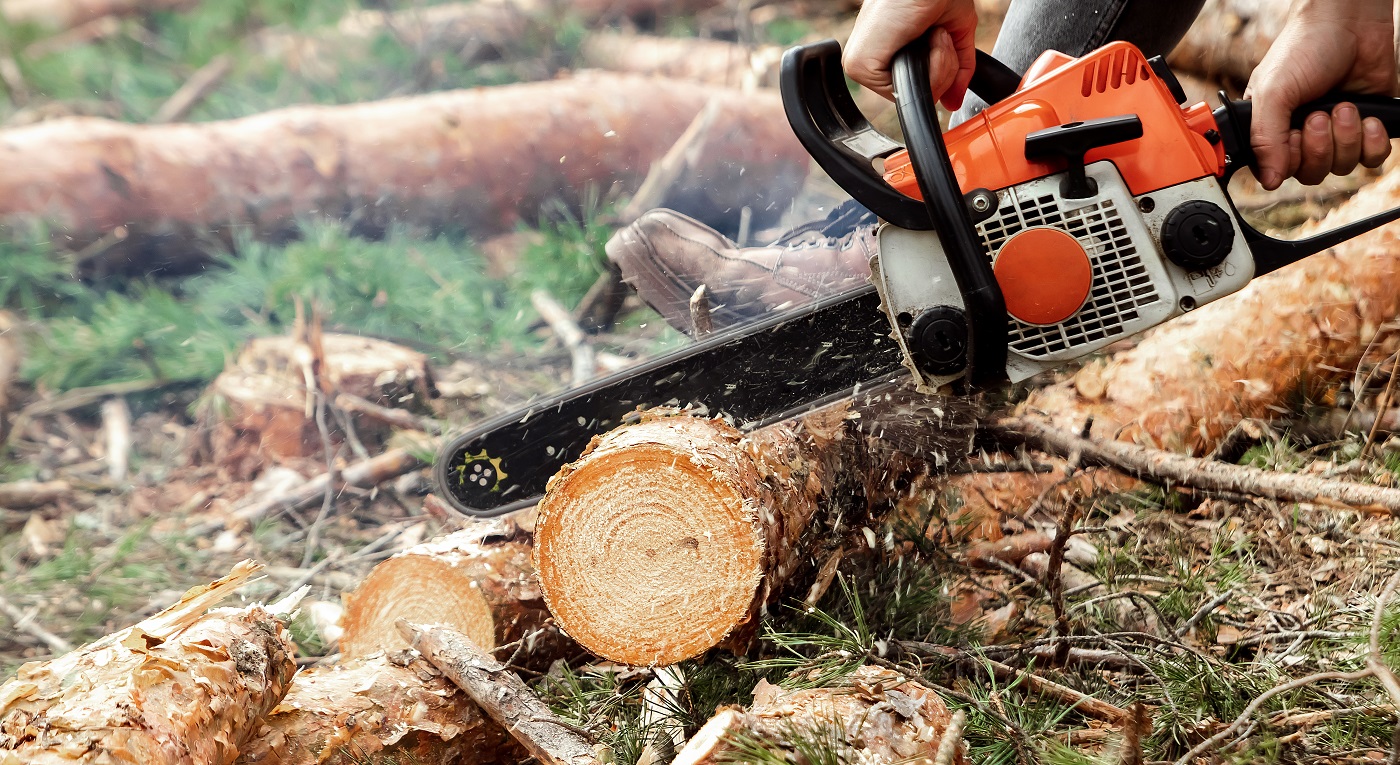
x=1229 y=39
x=481 y=160
x=58 y=15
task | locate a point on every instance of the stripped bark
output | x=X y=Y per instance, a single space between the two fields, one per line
x=875 y=715
x=184 y=686
x=386 y=709
x=478 y=581
x=56 y=15
x=482 y=160
x=670 y=536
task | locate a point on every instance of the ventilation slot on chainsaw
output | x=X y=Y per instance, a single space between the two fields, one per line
x=1121 y=283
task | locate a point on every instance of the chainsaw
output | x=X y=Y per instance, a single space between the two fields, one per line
x=1085 y=204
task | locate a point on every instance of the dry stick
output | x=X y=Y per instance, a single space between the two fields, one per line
x=1160 y=466
x=569 y=333
x=1054 y=582
x=1292 y=685
x=398 y=418
x=196 y=89
x=1376 y=664
x=25 y=495
x=701 y=323
x=1137 y=727
x=364 y=475
x=116 y=425
x=25 y=623
x=499 y=692
x=672 y=166
x=1381 y=405
x=328 y=498
x=1085 y=705
x=1201 y=612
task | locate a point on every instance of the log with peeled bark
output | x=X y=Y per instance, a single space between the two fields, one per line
x=57 y=15
x=670 y=536
x=184 y=686
x=481 y=160
x=1189 y=382
x=479 y=581
x=382 y=709
x=874 y=715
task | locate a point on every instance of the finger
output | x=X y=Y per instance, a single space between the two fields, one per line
x=943 y=66
x=1346 y=138
x=965 y=43
x=1375 y=144
x=1294 y=152
x=1316 y=160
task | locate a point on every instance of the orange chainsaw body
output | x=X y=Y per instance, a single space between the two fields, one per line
x=988 y=151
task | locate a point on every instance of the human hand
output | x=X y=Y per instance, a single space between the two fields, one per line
x=1326 y=45
x=885 y=26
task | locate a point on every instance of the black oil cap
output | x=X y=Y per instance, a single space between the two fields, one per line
x=1197 y=235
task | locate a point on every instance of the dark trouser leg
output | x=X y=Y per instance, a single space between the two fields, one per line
x=1076 y=27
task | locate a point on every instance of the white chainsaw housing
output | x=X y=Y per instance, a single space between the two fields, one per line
x=1134 y=286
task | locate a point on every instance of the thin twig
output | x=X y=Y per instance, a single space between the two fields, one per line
x=1201 y=612
x=1248 y=713
x=25 y=623
x=196 y=89
x=569 y=333
x=328 y=499
x=1376 y=662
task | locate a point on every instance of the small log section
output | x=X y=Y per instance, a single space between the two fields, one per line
x=482 y=160
x=877 y=715
x=479 y=581
x=498 y=691
x=187 y=685
x=383 y=708
x=58 y=15
x=265 y=404
x=669 y=537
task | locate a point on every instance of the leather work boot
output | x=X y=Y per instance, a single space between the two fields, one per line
x=665 y=256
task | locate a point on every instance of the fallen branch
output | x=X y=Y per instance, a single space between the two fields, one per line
x=194 y=91
x=1160 y=466
x=500 y=693
x=26 y=495
x=66 y=14
x=25 y=623
x=569 y=334
x=1033 y=683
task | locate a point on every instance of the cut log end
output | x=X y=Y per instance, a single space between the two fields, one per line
x=668 y=573
x=478 y=581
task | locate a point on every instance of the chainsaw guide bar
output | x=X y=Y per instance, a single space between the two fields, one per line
x=755 y=375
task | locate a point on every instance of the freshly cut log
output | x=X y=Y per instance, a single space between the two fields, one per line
x=875 y=715
x=1229 y=39
x=1189 y=382
x=264 y=402
x=57 y=15
x=482 y=160
x=382 y=709
x=479 y=581
x=187 y=685
x=669 y=537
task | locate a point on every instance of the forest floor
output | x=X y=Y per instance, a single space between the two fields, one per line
x=1205 y=603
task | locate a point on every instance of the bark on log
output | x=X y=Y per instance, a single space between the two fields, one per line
x=1189 y=382
x=482 y=160
x=717 y=62
x=57 y=15
x=876 y=716
x=394 y=708
x=669 y=537
x=265 y=404
x=186 y=686
x=478 y=581
x=1229 y=39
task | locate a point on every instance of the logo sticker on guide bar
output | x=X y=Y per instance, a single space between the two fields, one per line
x=481 y=470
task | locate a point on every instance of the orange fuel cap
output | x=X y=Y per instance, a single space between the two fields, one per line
x=1044 y=274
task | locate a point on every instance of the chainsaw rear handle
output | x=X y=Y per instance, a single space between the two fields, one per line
x=827 y=121
x=1234 y=119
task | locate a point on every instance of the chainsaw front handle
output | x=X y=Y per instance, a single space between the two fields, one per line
x=1234 y=119
x=827 y=121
